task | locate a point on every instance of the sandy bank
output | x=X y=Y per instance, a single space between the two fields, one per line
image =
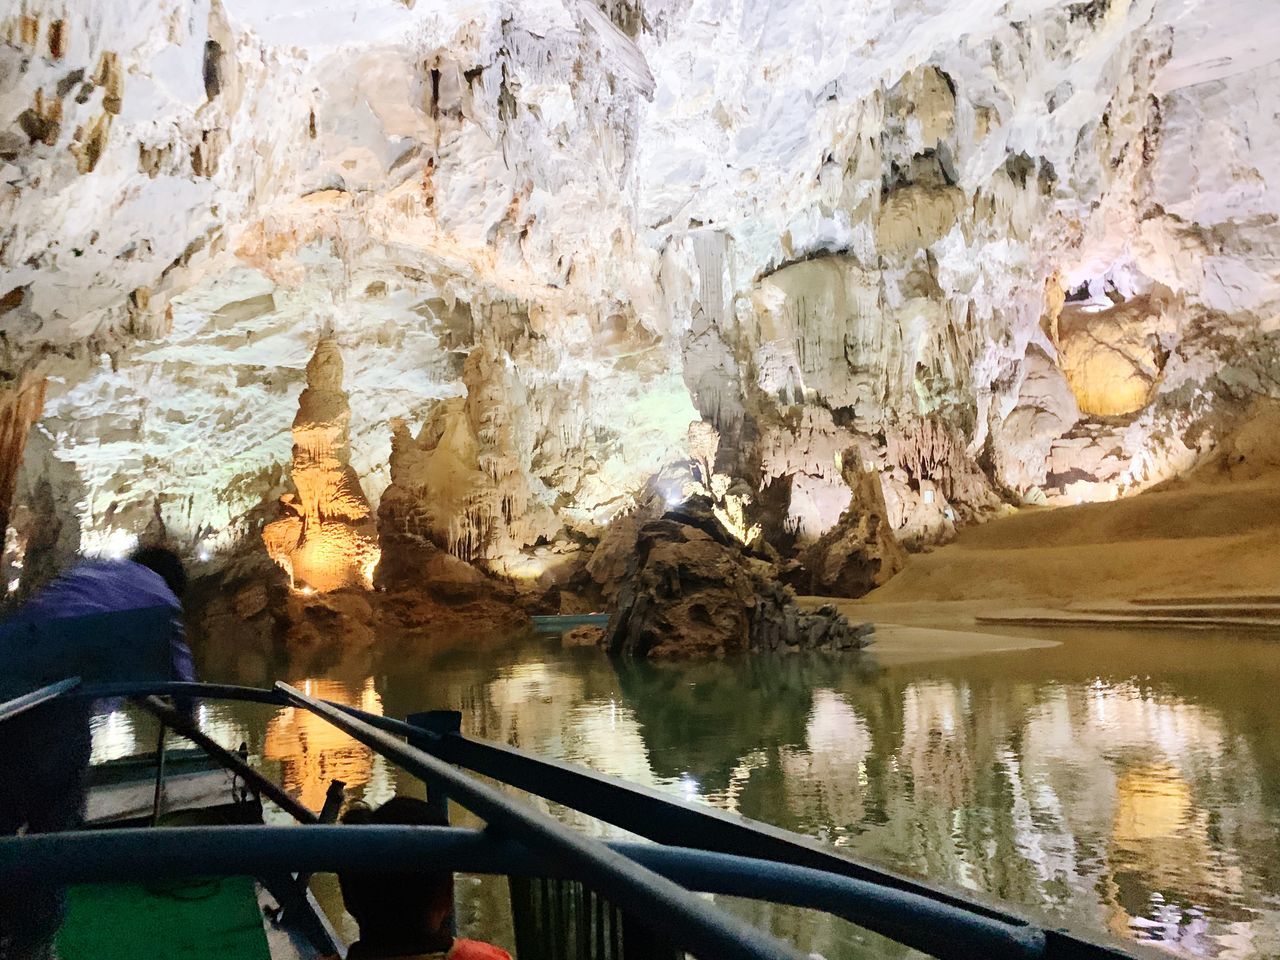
x=1213 y=536
x=924 y=631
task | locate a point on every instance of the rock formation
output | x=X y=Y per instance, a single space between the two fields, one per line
x=326 y=540
x=729 y=499
x=693 y=590
x=464 y=484
x=860 y=552
x=1111 y=354
x=21 y=402
x=1015 y=254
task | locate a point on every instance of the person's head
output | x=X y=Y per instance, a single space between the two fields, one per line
x=166 y=563
x=399 y=913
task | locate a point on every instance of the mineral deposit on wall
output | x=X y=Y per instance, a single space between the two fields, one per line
x=1007 y=253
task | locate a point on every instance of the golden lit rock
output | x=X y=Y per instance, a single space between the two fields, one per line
x=1111 y=355
x=729 y=499
x=327 y=538
x=313 y=753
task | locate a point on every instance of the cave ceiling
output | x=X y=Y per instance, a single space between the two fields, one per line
x=1010 y=252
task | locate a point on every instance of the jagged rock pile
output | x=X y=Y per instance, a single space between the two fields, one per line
x=692 y=591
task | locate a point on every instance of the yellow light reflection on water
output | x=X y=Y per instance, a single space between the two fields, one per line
x=312 y=752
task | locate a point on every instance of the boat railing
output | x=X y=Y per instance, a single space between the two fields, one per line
x=696 y=849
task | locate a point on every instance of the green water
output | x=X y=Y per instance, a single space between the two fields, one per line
x=1126 y=783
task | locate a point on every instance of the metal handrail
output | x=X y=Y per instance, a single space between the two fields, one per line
x=187 y=728
x=139 y=854
x=29 y=701
x=677 y=824
x=681 y=823
x=688 y=921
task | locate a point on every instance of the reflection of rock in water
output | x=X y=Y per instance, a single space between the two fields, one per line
x=1164 y=872
x=1033 y=778
x=312 y=752
x=704 y=719
x=1158 y=849
x=937 y=750
x=1114 y=804
x=827 y=776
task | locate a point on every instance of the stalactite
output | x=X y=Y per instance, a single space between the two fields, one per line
x=926 y=449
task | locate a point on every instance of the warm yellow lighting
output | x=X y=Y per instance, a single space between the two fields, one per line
x=312 y=752
x=1110 y=355
x=1154 y=801
x=326 y=538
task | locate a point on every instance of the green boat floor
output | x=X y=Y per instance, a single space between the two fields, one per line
x=213 y=917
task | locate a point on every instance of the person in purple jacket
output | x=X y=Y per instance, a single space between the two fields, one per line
x=102 y=621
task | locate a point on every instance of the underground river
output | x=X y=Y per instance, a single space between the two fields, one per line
x=1120 y=782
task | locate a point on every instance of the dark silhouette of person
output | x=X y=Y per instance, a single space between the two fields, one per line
x=103 y=621
x=404 y=915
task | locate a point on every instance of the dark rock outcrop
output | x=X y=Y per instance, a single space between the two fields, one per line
x=691 y=591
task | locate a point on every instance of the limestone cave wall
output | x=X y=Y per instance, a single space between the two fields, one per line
x=1006 y=255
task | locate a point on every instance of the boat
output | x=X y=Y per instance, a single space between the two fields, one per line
x=572 y=895
x=559 y=622
x=122 y=790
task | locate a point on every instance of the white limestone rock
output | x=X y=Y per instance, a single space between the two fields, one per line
x=814 y=224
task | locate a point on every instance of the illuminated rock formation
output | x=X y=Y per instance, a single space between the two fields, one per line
x=872 y=224
x=326 y=539
x=464 y=484
x=729 y=499
x=1111 y=354
x=20 y=406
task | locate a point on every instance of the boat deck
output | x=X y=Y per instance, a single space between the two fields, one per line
x=167 y=920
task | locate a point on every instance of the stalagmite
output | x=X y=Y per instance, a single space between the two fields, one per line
x=326 y=539
x=729 y=499
x=463 y=485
